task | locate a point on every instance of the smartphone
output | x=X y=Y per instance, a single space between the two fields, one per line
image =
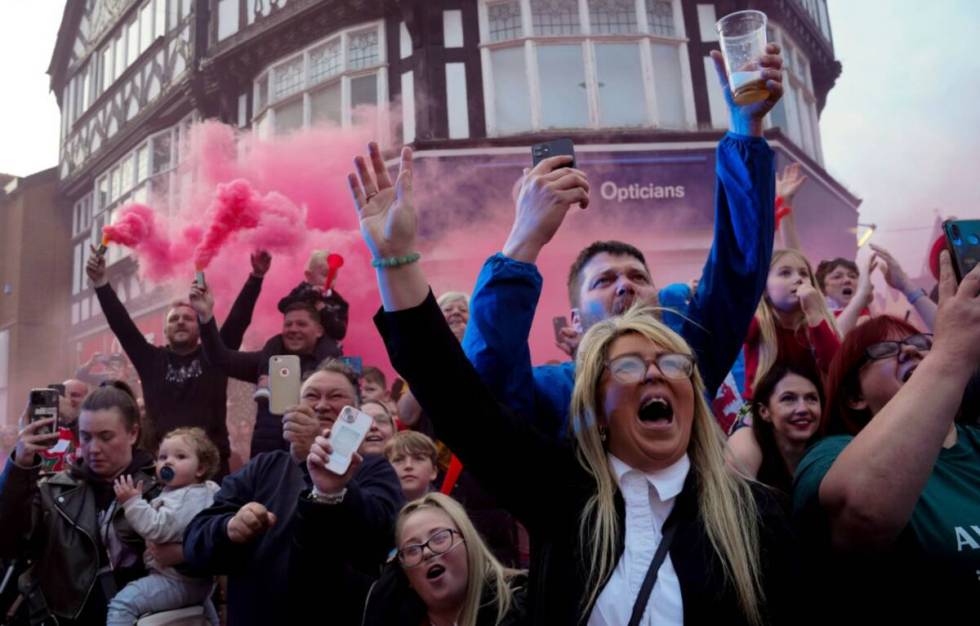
x=43 y=404
x=963 y=241
x=556 y=147
x=559 y=323
x=355 y=363
x=284 y=382
x=346 y=436
x=60 y=388
x=199 y=277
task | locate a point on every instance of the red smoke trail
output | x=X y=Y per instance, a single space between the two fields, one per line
x=235 y=208
x=136 y=228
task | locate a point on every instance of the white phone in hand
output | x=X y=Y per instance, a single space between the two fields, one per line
x=348 y=432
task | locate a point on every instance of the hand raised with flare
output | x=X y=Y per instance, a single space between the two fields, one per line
x=386 y=211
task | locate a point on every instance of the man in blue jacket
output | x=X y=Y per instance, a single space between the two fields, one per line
x=248 y=531
x=609 y=276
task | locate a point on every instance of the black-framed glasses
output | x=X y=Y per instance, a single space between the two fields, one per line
x=632 y=368
x=440 y=542
x=885 y=349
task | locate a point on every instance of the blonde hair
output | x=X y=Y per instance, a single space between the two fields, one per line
x=479 y=559
x=208 y=457
x=727 y=507
x=318 y=258
x=768 y=343
x=449 y=296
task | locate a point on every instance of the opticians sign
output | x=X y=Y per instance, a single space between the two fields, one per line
x=622 y=192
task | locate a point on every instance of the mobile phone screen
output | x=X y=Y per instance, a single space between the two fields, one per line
x=344 y=440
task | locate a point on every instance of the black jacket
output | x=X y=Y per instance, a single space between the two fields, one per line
x=258 y=571
x=248 y=367
x=54 y=523
x=357 y=597
x=541 y=482
x=333 y=315
x=181 y=390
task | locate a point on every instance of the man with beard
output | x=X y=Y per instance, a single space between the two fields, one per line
x=610 y=276
x=301 y=334
x=180 y=388
x=248 y=531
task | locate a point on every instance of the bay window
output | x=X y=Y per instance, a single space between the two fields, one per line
x=551 y=64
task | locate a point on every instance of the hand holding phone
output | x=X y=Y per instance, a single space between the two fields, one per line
x=556 y=147
x=336 y=453
x=963 y=241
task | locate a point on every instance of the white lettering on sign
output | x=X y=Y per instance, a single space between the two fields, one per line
x=963 y=538
x=609 y=190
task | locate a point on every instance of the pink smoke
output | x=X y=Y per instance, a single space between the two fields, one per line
x=136 y=228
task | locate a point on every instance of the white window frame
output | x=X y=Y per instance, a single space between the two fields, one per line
x=644 y=38
x=799 y=100
x=263 y=117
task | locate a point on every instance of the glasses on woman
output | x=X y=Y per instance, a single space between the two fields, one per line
x=439 y=543
x=885 y=349
x=632 y=368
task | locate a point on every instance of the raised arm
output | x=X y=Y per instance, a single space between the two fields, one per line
x=872 y=488
x=734 y=276
x=417 y=336
x=896 y=278
x=240 y=315
x=788 y=182
x=240 y=365
x=130 y=336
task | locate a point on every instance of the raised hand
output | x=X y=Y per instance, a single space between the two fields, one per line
x=30 y=442
x=546 y=194
x=323 y=479
x=95 y=268
x=810 y=301
x=202 y=301
x=125 y=488
x=300 y=427
x=894 y=275
x=261 y=261
x=747 y=119
x=386 y=210
x=249 y=522
x=788 y=182
x=958 y=318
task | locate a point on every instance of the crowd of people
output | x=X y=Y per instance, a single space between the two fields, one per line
x=610 y=489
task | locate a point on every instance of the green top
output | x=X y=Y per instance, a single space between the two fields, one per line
x=944 y=530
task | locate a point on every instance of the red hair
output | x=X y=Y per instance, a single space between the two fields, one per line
x=843 y=384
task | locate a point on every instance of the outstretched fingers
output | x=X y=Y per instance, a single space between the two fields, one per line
x=378 y=164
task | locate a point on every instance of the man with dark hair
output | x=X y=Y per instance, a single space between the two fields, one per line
x=180 y=388
x=610 y=276
x=301 y=333
x=248 y=531
x=838 y=280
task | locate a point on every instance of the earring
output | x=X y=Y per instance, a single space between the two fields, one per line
x=603 y=433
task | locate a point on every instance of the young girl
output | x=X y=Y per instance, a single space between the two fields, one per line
x=792 y=324
x=185 y=462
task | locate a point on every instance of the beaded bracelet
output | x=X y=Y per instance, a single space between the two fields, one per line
x=396 y=261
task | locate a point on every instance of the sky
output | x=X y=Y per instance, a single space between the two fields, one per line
x=901 y=128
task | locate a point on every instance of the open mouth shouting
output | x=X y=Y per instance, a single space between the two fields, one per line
x=435 y=571
x=656 y=412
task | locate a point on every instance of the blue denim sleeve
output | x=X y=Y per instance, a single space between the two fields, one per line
x=501 y=311
x=674 y=298
x=734 y=276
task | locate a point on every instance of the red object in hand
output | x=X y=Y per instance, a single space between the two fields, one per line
x=334 y=263
x=781 y=210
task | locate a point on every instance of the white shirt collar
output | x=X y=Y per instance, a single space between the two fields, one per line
x=668 y=481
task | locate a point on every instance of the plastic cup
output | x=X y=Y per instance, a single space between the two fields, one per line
x=743 y=42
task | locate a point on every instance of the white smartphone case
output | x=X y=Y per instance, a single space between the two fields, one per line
x=346 y=436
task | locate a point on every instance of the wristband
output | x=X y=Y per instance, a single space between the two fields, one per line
x=318 y=497
x=914 y=296
x=396 y=261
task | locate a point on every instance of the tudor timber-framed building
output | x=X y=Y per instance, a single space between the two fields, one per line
x=476 y=81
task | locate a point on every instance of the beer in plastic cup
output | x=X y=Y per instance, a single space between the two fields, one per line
x=743 y=42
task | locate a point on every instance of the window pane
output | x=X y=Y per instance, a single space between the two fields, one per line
x=146 y=26
x=325 y=61
x=622 y=101
x=262 y=93
x=107 y=67
x=127 y=171
x=120 y=63
x=660 y=17
x=161 y=153
x=287 y=78
x=142 y=163
x=227 y=18
x=563 y=90
x=325 y=105
x=668 y=86
x=613 y=16
x=555 y=17
x=364 y=90
x=289 y=116
x=114 y=184
x=804 y=110
x=160 y=19
x=504 y=20
x=133 y=42
x=778 y=116
x=362 y=49
x=511 y=103
x=102 y=194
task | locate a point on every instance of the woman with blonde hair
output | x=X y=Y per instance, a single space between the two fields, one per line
x=443 y=574
x=637 y=520
x=793 y=324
